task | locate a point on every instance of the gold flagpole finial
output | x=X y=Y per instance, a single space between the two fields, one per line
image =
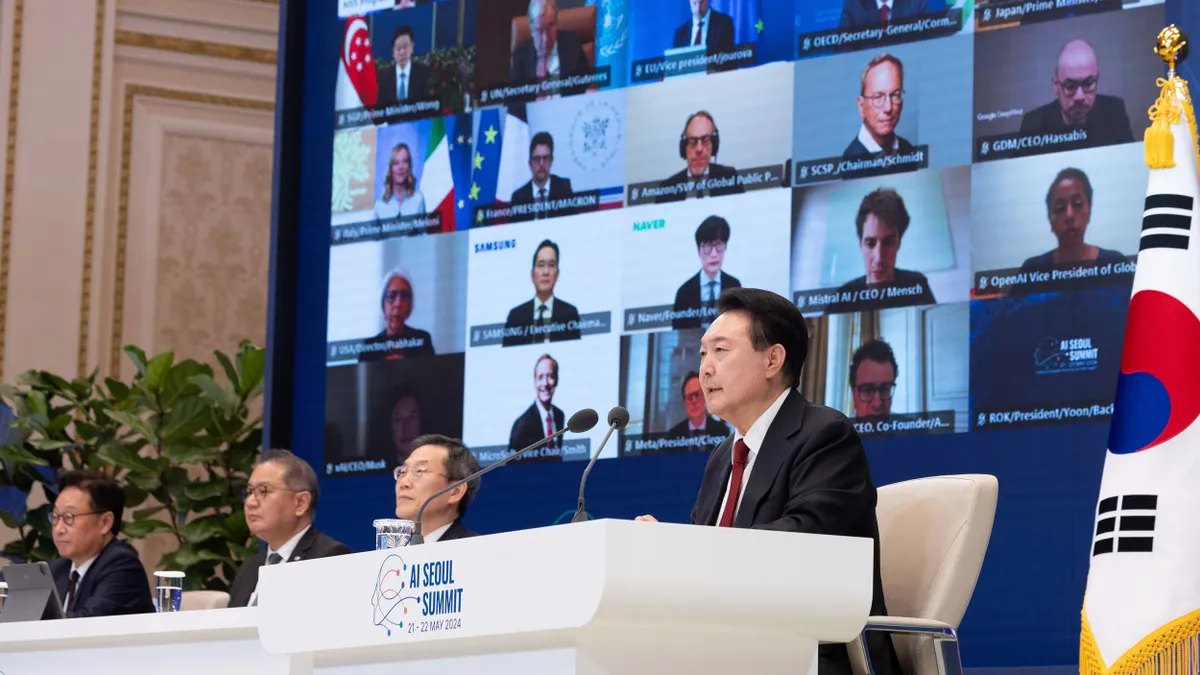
x=1172 y=47
x=1173 y=102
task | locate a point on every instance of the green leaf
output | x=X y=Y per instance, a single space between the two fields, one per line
x=157 y=369
x=118 y=390
x=178 y=385
x=204 y=528
x=138 y=357
x=230 y=371
x=205 y=490
x=49 y=445
x=183 y=453
x=134 y=422
x=187 y=418
x=59 y=423
x=253 y=366
x=141 y=528
x=134 y=495
x=17 y=455
x=9 y=519
x=185 y=556
x=143 y=514
x=223 y=398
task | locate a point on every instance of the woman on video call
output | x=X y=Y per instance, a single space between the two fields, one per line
x=400 y=194
x=1069 y=208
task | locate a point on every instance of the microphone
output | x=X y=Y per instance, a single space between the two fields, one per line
x=618 y=417
x=580 y=422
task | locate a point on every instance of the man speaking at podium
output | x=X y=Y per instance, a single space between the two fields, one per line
x=790 y=465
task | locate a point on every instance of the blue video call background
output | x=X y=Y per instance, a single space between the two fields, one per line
x=1026 y=605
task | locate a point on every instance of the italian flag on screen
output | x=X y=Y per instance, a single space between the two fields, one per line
x=438 y=181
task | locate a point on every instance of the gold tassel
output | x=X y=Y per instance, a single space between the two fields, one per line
x=1160 y=142
x=1173 y=649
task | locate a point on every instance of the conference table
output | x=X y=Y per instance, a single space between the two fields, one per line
x=600 y=597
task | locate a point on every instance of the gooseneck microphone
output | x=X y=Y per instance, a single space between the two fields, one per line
x=618 y=417
x=580 y=422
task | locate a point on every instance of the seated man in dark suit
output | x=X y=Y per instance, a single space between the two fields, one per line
x=396 y=301
x=541 y=419
x=791 y=465
x=856 y=13
x=698 y=145
x=880 y=102
x=1078 y=103
x=702 y=291
x=407 y=80
x=698 y=421
x=545 y=318
x=97 y=575
x=549 y=54
x=281 y=502
x=544 y=187
x=436 y=462
x=708 y=27
x=882 y=221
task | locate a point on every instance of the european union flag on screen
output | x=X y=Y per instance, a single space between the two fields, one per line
x=458 y=129
x=612 y=38
x=485 y=160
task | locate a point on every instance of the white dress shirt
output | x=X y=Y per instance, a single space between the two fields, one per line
x=754 y=440
x=537 y=304
x=284 y=552
x=542 y=413
x=552 y=65
x=880 y=4
x=403 y=81
x=702 y=24
x=437 y=534
x=705 y=287
x=82 y=570
x=542 y=192
x=868 y=141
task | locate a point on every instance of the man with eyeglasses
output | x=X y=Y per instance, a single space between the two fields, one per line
x=543 y=188
x=545 y=318
x=1078 y=103
x=401 y=339
x=98 y=574
x=436 y=462
x=880 y=102
x=698 y=422
x=699 y=144
x=281 y=502
x=873 y=371
x=702 y=291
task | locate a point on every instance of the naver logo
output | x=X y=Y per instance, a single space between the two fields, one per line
x=645 y=225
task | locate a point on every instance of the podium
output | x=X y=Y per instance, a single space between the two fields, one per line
x=603 y=597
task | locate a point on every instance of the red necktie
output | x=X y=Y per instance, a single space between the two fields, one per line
x=885 y=13
x=740 y=454
x=549 y=425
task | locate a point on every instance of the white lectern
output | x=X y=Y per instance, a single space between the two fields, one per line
x=601 y=597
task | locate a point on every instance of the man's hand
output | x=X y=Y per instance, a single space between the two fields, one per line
x=646 y=519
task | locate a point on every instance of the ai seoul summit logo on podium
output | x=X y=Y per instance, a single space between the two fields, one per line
x=417 y=598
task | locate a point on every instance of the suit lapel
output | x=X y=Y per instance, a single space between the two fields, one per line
x=303 y=546
x=716 y=477
x=770 y=457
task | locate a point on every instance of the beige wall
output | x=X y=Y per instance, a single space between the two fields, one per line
x=136 y=180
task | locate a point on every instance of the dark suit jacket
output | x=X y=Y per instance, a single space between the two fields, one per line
x=522 y=315
x=571 y=61
x=530 y=428
x=115 y=584
x=714 y=171
x=458 y=531
x=312 y=545
x=410 y=333
x=712 y=427
x=688 y=297
x=810 y=475
x=718 y=41
x=1107 y=123
x=560 y=188
x=857 y=149
x=418 y=84
x=866 y=12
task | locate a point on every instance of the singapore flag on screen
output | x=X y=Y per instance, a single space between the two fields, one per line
x=356 y=85
x=1142 y=607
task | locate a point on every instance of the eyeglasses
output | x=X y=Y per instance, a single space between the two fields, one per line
x=710 y=247
x=417 y=474
x=392 y=296
x=884 y=391
x=1088 y=84
x=694 y=396
x=69 y=518
x=705 y=140
x=261 y=491
x=542 y=159
x=896 y=97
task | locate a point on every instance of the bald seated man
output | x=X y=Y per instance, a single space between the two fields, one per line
x=1078 y=102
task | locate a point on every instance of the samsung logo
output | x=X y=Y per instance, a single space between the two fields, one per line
x=502 y=245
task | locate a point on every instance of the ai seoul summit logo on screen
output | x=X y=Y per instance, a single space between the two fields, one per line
x=417 y=598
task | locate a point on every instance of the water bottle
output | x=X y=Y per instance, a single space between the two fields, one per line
x=392 y=533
